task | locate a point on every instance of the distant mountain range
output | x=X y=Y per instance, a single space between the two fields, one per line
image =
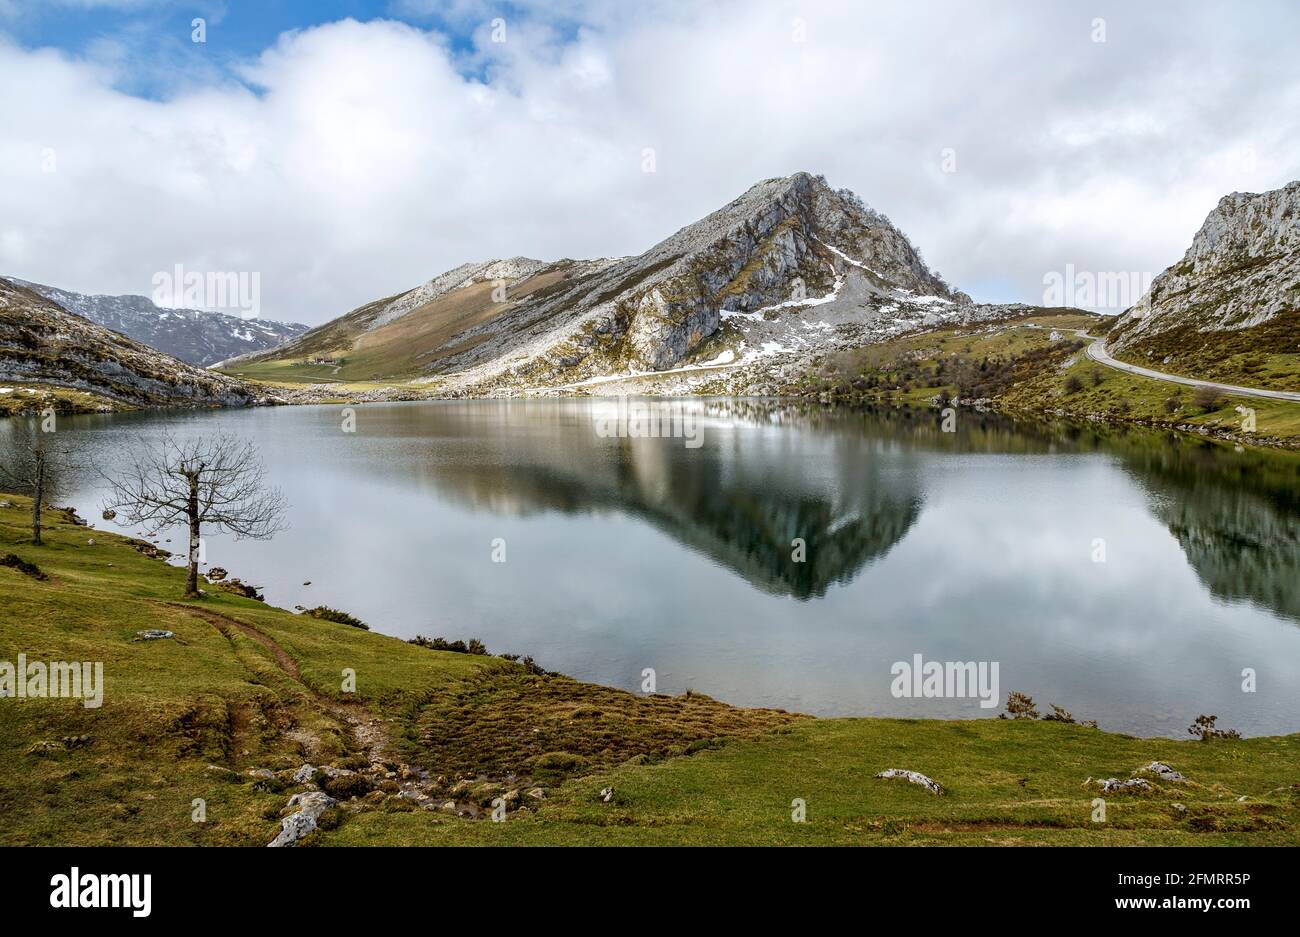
x=192 y=335
x=43 y=343
x=740 y=302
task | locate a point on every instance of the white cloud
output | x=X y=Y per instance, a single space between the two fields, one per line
x=353 y=160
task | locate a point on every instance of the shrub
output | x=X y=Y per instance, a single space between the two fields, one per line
x=236 y=587
x=325 y=613
x=1203 y=729
x=474 y=646
x=16 y=562
x=347 y=786
x=1020 y=706
x=1073 y=385
x=1058 y=715
x=1207 y=398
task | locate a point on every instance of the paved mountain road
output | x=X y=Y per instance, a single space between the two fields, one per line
x=1097 y=352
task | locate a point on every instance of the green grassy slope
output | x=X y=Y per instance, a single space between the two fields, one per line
x=244 y=686
x=1017 y=366
x=1006 y=782
x=1265 y=355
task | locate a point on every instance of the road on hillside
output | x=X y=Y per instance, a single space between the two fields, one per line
x=1097 y=352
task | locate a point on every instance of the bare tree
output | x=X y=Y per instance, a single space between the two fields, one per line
x=216 y=481
x=38 y=464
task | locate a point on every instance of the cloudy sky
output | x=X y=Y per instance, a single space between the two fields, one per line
x=350 y=150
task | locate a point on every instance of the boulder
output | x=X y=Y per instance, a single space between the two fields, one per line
x=1161 y=770
x=297 y=825
x=1116 y=786
x=913 y=777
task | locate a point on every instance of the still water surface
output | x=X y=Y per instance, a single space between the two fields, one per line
x=626 y=554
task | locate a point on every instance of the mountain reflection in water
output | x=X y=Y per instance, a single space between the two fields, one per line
x=624 y=553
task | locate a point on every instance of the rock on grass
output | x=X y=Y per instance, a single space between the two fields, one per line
x=297 y=825
x=915 y=777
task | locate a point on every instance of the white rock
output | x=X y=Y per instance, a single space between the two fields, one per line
x=1162 y=771
x=295 y=826
x=915 y=777
x=1114 y=785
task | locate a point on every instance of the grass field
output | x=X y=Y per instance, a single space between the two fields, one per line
x=408 y=347
x=242 y=686
x=1266 y=355
x=290 y=373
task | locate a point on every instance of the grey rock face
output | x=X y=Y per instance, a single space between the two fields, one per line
x=297 y=825
x=1242 y=269
x=789 y=269
x=783 y=239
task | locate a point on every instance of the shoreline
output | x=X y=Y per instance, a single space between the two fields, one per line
x=240 y=705
x=399 y=394
x=231 y=584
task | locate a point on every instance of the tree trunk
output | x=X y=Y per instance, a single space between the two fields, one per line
x=192 y=510
x=38 y=496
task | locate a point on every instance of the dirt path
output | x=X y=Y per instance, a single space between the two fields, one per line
x=221 y=623
x=370 y=733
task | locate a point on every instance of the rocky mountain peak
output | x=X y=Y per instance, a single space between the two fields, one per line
x=1242 y=270
x=788 y=267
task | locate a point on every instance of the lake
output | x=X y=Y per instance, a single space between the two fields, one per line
x=1126 y=576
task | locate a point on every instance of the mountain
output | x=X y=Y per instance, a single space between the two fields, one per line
x=789 y=269
x=43 y=343
x=192 y=335
x=1231 y=307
